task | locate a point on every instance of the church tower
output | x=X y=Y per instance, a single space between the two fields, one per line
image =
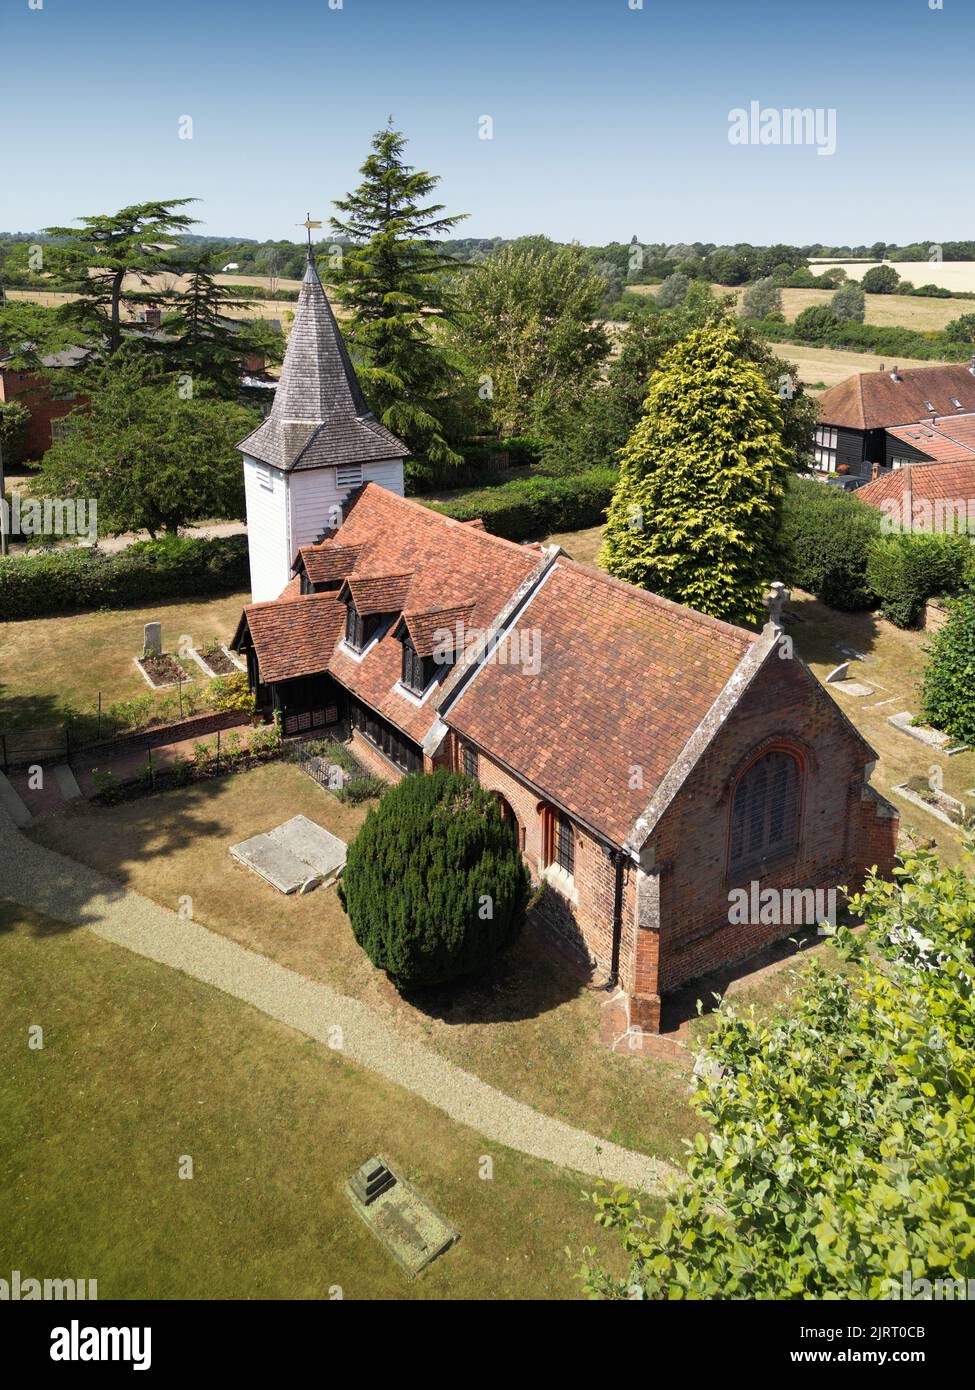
x=318 y=444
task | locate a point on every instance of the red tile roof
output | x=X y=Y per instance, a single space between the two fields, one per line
x=424 y=627
x=935 y=441
x=326 y=563
x=623 y=680
x=378 y=593
x=930 y=483
x=294 y=636
x=873 y=400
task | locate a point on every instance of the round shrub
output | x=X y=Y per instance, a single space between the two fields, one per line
x=435 y=885
x=948 y=687
x=826 y=535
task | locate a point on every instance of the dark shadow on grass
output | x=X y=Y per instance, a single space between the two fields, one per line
x=525 y=982
x=818 y=630
x=63 y=889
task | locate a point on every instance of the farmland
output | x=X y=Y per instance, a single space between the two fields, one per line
x=883 y=310
x=947 y=275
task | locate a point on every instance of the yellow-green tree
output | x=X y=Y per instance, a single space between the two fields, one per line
x=695 y=516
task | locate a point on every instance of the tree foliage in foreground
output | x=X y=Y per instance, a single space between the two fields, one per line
x=696 y=514
x=841 y=1155
x=148 y=457
x=435 y=885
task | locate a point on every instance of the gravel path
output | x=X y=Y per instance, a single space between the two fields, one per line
x=70 y=892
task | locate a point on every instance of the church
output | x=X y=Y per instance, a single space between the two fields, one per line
x=651 y=762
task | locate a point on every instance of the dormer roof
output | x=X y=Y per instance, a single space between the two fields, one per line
x=319 y=417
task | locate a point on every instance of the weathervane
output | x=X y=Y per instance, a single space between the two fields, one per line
x=308 y=223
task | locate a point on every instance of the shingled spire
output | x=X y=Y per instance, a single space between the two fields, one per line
x=319 y=417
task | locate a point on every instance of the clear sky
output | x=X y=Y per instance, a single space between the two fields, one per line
x=608 y=121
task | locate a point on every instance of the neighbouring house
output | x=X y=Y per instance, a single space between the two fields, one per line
x=938 y=497
x=875 y=422
x=649 y=760
x=47 y=404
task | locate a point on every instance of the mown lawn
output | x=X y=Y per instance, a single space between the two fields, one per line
x=50 y=666
x=530 y=1027
x=141 y=1066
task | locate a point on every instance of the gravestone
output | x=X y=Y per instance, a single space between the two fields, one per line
x=152 y=640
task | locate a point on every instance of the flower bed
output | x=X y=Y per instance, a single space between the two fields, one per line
x=162 y=670
x=216 y=660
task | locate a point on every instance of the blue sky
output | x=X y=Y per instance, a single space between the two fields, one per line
x=608 y=121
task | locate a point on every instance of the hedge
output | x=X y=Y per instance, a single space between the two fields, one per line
x=870 y=337
x=530 y=507
x=68 y=581
x=904 y=571
x=826 y=535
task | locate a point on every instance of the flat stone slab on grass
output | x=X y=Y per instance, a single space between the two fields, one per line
x=409 y=1228
x=853 y=688
x=294 y=857
x=931 y=737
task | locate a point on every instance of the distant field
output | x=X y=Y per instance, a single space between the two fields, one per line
x=254 y=309
x=824 y=367
x=884 y=310
x=947 y=275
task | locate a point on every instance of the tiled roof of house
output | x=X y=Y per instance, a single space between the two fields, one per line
x=937 y=442
x=319 y=416
x=425 y=628
x=929 y=482
x=378 y=593
x=293 y=636
x=325 y=564
x=623 y=679
x=875 y=400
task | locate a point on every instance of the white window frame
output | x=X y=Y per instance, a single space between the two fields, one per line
x=825 y=449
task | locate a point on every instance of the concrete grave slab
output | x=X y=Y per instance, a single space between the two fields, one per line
x=853 y=688
x=931 y=737
x=406 y=1224
x=297 y=856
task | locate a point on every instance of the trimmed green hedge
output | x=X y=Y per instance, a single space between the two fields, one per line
x=68 y=581
x=826 y=535
x=905 y=571
x=530 y=507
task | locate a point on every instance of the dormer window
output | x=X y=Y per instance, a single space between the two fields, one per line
x=418 y=671
x=359 y=630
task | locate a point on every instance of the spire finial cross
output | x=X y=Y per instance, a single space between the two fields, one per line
x=775 y=600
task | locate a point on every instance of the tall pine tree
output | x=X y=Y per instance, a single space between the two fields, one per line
x=695 y=516
x=395 y=279
x=201 y=337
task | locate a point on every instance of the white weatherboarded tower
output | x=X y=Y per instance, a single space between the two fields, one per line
x=319 y=443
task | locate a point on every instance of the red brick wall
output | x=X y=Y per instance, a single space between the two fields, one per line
x=784 y=705
x=43 y=409
x=585 y=927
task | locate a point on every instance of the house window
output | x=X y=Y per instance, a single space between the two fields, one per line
x=386 y=737
x=59 y=429
x=348 y=476
x=360 y=630
x=415 y=669
x=898 y=461
x=765 y=810
x=470 y=761
x=825 y=449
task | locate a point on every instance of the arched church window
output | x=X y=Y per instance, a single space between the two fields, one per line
x=765 y=810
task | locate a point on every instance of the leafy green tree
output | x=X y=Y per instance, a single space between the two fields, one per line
x=696 y=514
x=396 y=281
x=134 y=241
x=948 y=685
x=14 y=419
x=526 y=327
x=848 y=303
x=30 y=332
x=672 y=291
x=961 y=330
x=761 y=298
x=880 y=279
x=435 y=885
x=839 y=1161
x=814 y=324
x=150 y=458
x=202 y=341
